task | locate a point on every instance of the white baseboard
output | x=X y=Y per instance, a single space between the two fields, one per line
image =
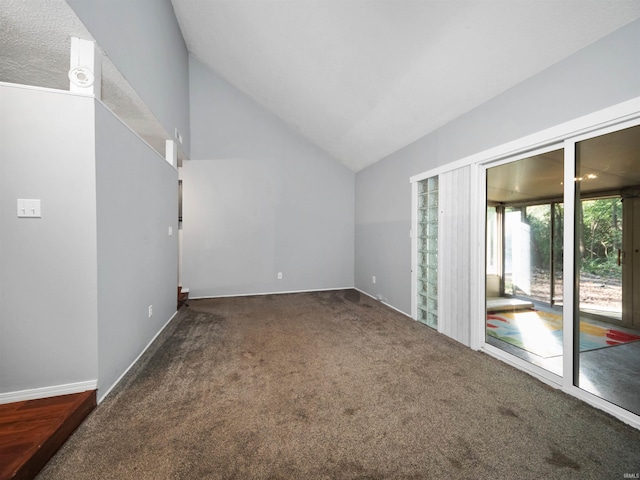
x=273 y=293
x=44 y=392
x=384 y=302
x=101 y=397
x=306 y=291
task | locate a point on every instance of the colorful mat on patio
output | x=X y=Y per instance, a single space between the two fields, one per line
x=541 y=332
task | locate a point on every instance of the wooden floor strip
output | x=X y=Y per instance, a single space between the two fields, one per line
x=32 y=431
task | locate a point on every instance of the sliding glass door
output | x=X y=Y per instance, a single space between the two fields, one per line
x=523 y=281
x=576 y=316
x=606 y=329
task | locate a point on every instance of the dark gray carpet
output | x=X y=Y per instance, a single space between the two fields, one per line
x=334 y=385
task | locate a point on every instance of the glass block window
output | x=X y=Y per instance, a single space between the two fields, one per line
x=428 y=251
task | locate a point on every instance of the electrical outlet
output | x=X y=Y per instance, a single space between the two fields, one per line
x=279 y=275
x=150 y=311
x=373 y=279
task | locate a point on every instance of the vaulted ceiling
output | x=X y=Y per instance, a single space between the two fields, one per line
x=359 y=78
x=364 y=78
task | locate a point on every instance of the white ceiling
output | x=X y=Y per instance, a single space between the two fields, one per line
x=362 y=79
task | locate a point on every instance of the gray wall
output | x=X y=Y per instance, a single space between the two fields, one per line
x=137 y=202
x=143 y=39
x=601 y=75
x=260 y=199
x=48 y=286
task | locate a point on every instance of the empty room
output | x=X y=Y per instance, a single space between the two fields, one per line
x=359 y=239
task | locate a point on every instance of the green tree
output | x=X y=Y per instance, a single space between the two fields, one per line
x=539 y=219
x=601 y=236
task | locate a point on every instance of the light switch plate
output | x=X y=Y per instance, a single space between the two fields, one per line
x=29 y=208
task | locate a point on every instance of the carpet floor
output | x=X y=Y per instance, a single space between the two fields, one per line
x=333 y=385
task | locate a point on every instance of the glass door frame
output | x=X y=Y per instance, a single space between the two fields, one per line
x=571 y=370
x=539 y=372
x=564 y=136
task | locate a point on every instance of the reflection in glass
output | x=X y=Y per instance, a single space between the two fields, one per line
x=607 y=241
x=523 y=249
